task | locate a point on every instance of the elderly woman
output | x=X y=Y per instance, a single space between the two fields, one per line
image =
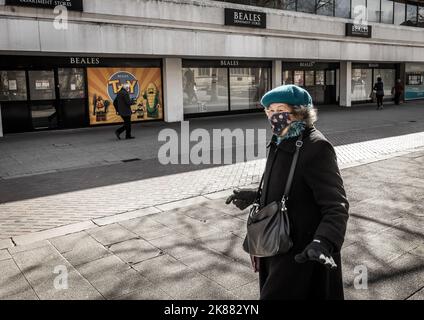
x=317 y=203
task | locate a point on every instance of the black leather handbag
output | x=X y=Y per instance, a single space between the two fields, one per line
x=268 y=228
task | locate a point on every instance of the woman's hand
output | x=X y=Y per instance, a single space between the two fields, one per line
x=255 y=263
x=319 y=252
x=242 y=198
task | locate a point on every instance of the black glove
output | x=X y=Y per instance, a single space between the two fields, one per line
x=317 y=250
x=242 y=198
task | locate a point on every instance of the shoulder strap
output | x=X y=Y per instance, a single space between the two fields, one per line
x=299 y=144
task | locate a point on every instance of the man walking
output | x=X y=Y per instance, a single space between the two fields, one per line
x=123 y=105
x=398 y=91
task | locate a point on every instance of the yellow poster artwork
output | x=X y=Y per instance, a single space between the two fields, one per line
x=145 y=89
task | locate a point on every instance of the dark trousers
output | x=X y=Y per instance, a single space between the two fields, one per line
x=397 y=98
x=379 y=101
x=126 y=127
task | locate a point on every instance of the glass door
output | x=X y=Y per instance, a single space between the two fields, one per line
x=42 y=91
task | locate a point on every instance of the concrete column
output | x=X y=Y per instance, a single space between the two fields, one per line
x=1 y=124
x=346 y=84
x=173 y=89
x=277 y=76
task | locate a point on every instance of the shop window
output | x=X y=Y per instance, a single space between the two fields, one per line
x=386 y=11
x=420 y=17
x=299 y=78
x=71 y=83
x=342 y=8
x=320 y=78
x=359 y=10
x=288 y=77
x=411 y=15
x=204 y=72
x=325 y=7
x=361 y=84
x=373 y=10
x=399 y=13
x=287 y=5
x=307 y=6
x=309 y=78
x=41 y=85
x=247 y=93
x=330 y=77
x=388 y=76
x=13 y=86
x=205 y=93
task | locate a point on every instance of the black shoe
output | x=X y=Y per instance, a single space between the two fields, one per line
x=117 y=135
x=128 y=138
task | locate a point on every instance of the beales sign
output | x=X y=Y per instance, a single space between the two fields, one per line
x=75 y=5
x=242 y=18
x=358 y=30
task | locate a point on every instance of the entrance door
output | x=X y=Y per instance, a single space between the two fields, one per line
x=43 y=106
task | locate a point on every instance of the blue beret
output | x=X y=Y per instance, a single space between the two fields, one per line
x=290 y=94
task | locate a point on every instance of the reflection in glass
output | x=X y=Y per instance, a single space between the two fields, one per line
x=306 y=6
x=247 y=86
x=41 y=85
x=319 y=77
x=420 y=17
x=388 y=76
x=411 y=15
x=71 y=83
x=44 y=116
x=361 y=84
x=287 y=5
x=288 y=77
x=359 y=10
x=330 y=77
x=373 y=10
x=299 y=78
x=309 y=78
x=386 y=11
x=325 y=7
x=205 y=89
x=13 y=86
x=342 y=8
x=399 y=13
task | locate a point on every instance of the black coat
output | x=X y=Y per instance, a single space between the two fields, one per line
x=124 y=103
x=317 y=208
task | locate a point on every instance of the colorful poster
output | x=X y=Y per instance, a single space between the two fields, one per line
x=145 y=88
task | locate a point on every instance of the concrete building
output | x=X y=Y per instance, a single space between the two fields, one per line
x=62 y=69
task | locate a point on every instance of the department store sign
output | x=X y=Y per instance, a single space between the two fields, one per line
x=75 y=5
x=358 y=30
x=243 y=18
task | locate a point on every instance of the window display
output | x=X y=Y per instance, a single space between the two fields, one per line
x=361 y=84
x=71 y=83
x=41 y=85
x=205 y=90
x=13 y=86
x=388 y=76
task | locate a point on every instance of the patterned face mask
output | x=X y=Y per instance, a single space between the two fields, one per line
x=279 y=121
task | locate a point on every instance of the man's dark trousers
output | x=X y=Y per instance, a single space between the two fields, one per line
x=126 y=127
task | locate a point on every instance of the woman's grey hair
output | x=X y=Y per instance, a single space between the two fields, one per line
x=307 y=114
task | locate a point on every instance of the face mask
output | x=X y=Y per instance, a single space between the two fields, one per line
x=279 y=121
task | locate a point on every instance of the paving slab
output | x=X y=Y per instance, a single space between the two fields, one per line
x=6 y=243
x=79 y=248
x=38 y=267
x=13 y=285
x=228 y=273
x=112 y=277
x=147 y=228
x=177 y=245
x=110 y=234
x=249 y=291
x=5 y=255
x=135 y=250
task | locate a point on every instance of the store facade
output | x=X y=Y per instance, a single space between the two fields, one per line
x=39 y=93
x=197 y=58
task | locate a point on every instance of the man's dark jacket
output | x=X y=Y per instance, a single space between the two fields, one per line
x=124 y=103
x=318 y=209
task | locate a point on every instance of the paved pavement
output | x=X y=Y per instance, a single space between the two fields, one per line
x=191 y=249
x=41 y=201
